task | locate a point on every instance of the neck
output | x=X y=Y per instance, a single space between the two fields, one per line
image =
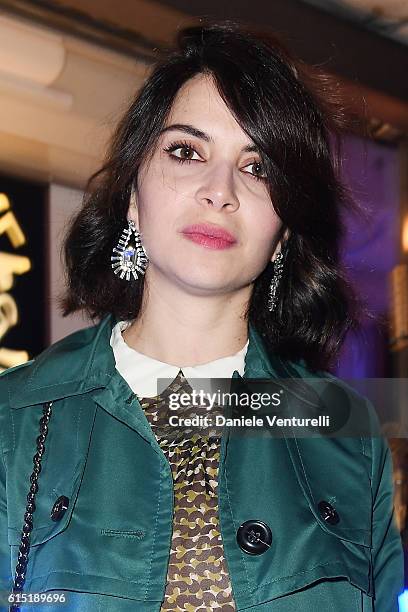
x=177 y=327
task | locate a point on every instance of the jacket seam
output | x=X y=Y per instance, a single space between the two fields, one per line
x=299 y=396
x=303 y=469
x=363 y=447
x=2 y=452
x=372 y=466
x=383 y=459
x=34 y=530
x=68 y=382
x=234 y=523
x=153 y=540
x=123 y=533
x=36 y=577
x=89 y=369
x=10 y=417
x=78 y=428
x=300 y=573
x=13 y=428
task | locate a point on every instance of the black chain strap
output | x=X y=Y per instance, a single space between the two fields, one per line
x=21 y=567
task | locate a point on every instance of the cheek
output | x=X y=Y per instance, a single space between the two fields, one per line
x=157 y=200
x=158 y=206
x=263 y=227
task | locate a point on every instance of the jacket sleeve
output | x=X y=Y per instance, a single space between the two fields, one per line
x=5 y=558
x=5 y=568
x=388 y=558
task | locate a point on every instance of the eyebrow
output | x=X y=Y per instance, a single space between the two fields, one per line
x=192 y=131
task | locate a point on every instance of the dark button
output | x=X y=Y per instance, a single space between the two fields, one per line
x=59 y=508
x=329 y=514
x=254 y=537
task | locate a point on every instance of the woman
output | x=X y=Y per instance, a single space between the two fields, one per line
x=207 y=246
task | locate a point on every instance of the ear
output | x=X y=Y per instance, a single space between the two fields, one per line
x=133 y=212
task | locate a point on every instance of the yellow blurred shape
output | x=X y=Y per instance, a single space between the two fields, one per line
x=9 y=225
x=405 y=235
x=4 y=202
x=12 y=264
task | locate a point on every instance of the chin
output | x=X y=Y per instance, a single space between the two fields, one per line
x=203 y=285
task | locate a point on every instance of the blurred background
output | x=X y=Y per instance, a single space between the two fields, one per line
x=69 y=68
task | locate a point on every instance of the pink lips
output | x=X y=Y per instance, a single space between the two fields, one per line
x=210 y=236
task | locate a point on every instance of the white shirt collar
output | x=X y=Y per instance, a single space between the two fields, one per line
x=141 y=372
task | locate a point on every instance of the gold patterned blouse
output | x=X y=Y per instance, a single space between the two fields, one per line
x=197 y=577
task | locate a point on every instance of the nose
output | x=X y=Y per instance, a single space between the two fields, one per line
x=217 y=189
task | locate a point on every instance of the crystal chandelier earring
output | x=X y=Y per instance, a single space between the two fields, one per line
x=126 y=259
x=277 y=275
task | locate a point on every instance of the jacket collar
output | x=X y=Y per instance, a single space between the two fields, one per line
x=92 y=365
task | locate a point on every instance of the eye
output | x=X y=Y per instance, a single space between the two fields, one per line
x=182 y=152
x=258 y=171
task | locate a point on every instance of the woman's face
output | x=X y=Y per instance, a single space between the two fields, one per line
x=203 y=172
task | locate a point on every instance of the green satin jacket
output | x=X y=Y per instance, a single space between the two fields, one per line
x=109 y=548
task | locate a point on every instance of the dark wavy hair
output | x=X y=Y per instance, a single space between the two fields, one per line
x=295 y=115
